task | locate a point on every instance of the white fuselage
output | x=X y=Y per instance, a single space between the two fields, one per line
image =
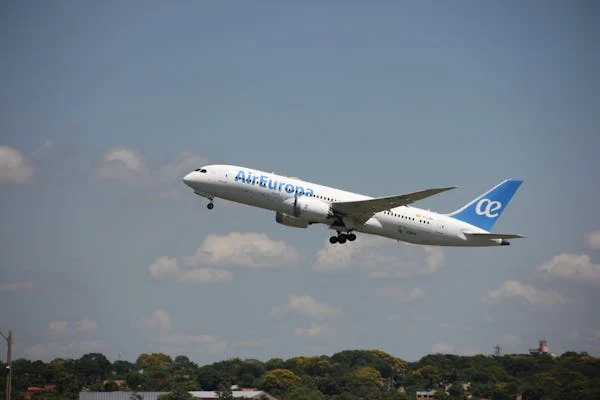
x=276 y=192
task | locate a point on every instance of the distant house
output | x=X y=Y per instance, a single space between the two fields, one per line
x=425 y=395
x=241 y=394
x=33 y=390
x=121 y=383
x=542 y=349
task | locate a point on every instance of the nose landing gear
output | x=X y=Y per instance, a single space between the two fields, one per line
x=210 y=205
x=342 y=237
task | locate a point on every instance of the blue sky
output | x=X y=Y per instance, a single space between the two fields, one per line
x=105 y=106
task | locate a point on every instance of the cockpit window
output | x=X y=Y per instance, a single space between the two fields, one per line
x=201 y=170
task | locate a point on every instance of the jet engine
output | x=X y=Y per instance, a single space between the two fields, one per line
x=309 y=209
x=289 y=220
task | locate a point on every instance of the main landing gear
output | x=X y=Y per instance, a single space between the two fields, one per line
x=210 y=205
x=342 y=237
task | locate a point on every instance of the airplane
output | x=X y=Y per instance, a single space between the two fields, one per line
x=298 y=203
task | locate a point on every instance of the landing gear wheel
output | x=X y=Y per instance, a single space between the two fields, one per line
x=333 y=240
x=341 y=238
x=210 y=206
x=351 y=237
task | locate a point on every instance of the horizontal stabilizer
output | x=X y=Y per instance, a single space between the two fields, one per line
x=361 y=210
x=494 y=235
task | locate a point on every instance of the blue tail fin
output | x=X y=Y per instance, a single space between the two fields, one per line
x=484 y=211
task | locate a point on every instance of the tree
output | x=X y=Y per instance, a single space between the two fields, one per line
x=182 y=360
x=154 y=361
x=439 y=394
x=92 y=368
x=429 y=375
x=224 y=392
x=122 y=368
x=301 y=392
x=364 y=382
x=456 y=392
x=274 y=363
x=136 y=381
x=111 y=386
x=279 y=380
x=176 y=394
x=67 y=385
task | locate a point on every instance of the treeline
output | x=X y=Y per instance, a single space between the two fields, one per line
x=347 y=375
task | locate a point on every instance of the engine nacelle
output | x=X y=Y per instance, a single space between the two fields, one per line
x=309 y=209
x=289 y=220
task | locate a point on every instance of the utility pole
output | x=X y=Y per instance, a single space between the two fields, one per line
x=8 y=363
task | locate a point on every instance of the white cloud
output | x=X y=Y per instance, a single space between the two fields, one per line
x=315 y=331
x=15 y=287
x=160 y=320
x=52 y=350
x=84 y=325
x=307 y=306
x=508 y=339
x=592 y=240
x=166 y=268
x=185 y=162
x=205 y=275
x=443 y=348
x=383 y=258
x=577 y=267
x=162 y=333
x=252 y=250
x=470 y=352
x=46 y=146
x=515 y=290
x=58 y=327
x=14 y=167
x=123 y=165
x=399 y=293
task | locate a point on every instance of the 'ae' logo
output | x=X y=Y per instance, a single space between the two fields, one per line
x=488 y=208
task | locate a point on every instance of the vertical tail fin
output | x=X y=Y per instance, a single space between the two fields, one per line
x=484 y=211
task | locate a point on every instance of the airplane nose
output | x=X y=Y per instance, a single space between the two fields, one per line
x=189 y=179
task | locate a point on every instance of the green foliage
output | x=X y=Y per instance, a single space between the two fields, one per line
x=386 y=364
x=279 y=380
x=347 y=375
x=111 y=386
x=154 y=361
x=300 y=392
x=224 y=392
x=122 y=368
x=177 y=393
x=364 y=382
x=92 y=368
x=456 y=392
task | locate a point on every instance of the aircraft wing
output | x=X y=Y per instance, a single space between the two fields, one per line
x=360 y=211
